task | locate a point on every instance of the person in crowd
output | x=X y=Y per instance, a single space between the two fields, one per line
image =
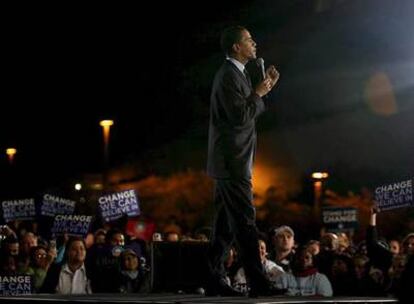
x=398 y=265
x=71 y=276
x=344 y=244
x=271 y=269
x=10 y=245
x=328 y=249
x=40 y=260
x=283 y=241
x=408 y=244
x=366 y=285
x=305 y=280
x=133 y=278
x=28 y=240
x=343 y=277
x=394 y=246
x=231 y=266
x=100 y=236
x=392 y=266
x=314 y=247
x=103 y=261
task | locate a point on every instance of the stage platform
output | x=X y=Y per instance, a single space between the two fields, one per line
x=180 y=298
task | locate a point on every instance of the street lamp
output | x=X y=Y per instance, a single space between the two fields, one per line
x=106 y=125
x=318 y=178
x=10 y=154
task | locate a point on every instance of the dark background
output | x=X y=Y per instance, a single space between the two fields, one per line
x=149 y=68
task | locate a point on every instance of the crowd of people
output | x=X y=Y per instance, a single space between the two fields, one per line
x=109 y=261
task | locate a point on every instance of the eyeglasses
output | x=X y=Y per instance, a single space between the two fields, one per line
x=41 y=256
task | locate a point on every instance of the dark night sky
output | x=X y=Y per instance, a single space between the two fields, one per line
x=60 y=69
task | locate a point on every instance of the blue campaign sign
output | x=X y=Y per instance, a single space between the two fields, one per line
x=18 y=209
x=340 y=218
x=71 y=224
x=395 y=195
x=54 y=205
x=15 y=285
x=114 y=206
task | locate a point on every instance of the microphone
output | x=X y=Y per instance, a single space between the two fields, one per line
x=260 y=64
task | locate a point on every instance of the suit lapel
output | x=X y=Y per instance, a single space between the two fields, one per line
x=240 y=74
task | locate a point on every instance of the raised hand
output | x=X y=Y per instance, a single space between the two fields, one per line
x=273 y=75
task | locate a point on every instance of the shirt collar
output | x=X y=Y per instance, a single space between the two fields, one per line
x=67 y=269
x=237 y=63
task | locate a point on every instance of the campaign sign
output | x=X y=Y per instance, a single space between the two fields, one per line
x=77 y=225
x=114 y=206
x=20 y=209
x=15 y=285
x=54 y=205
x=395 y=195
x=339 y=218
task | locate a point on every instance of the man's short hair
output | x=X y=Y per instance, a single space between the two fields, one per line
x=284 y=229
x=230 y=36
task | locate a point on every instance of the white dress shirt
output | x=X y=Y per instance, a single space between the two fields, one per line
x=73 y=282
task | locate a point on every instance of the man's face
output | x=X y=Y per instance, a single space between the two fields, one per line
x=284 y=241
x=246 y=47
x=118 y=239
x=77 y=252
x=29 y=241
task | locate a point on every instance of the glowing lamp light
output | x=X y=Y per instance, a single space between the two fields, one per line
x=320 y=175
x=78 y=187
x=10 y=153
x=106 y=123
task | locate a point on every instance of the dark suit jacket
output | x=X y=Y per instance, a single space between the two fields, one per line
x=232 y=131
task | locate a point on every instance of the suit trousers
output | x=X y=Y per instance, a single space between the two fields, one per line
x=235 y=224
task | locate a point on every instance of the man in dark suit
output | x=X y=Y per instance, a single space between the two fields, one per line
x=235 y=106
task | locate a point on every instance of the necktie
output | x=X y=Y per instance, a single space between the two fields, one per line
x=247 y=77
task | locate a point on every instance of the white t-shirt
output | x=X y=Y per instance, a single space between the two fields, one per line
x=272 y=270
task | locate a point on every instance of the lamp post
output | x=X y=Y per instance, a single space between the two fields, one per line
x=10 y=154
x=106 y=126
x=318 y=178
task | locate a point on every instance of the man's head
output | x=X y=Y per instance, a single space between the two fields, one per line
x=329 y=242
x=237 y=43
x=75 y=251
x=28 y=241
x=284 y=239
x=115 y=237
x=11 y=245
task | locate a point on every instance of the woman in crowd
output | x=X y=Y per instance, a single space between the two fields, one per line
x=305 y=279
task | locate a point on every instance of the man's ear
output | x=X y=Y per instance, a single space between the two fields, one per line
x=236 y=48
